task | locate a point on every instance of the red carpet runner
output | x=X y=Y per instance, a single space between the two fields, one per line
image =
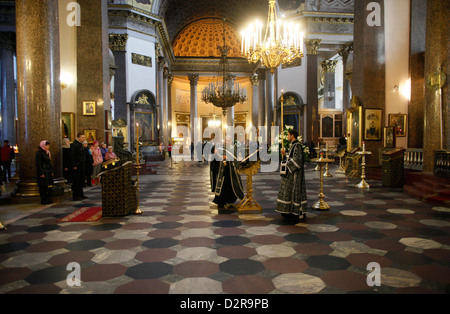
x=83 y=214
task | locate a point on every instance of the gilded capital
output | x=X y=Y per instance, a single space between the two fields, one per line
x=312 y=46
x=193 y=79
x=118 y=42
x=261 y=74
x=329 y=66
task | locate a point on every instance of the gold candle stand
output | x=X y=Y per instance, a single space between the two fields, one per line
x=363 y=184
x=317 y=149
x=327 y=172
x=248 y=203
x=138 y=166
x=321 y=204
x=2 y=226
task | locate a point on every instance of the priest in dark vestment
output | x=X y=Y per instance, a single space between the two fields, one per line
x=291 y=201
x=225 y=180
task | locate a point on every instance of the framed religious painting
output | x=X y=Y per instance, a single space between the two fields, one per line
x=399 y=121
x=354 y=127
x=89 y=108
x=373 y=124
x=91 y=135
x=68 y=125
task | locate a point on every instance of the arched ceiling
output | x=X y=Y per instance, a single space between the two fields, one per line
x=178 y=14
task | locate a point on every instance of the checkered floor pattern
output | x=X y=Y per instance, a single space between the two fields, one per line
x=182 y=244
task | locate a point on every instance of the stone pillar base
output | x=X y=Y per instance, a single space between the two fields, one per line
x=28 y=192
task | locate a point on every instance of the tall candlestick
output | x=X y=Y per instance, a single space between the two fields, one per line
x=138 y=209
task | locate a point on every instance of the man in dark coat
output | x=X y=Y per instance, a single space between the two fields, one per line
x=78 y=162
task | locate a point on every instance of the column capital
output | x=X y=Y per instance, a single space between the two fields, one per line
x=346 y=50
x=329 y=66
x=193 y=79
x=261 y=74
x=118 y=42
x=170 y=79
x=312 y=46
x=254 y=79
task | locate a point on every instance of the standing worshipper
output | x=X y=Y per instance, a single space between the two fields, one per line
x=7 y=155
x=169 y=149
x=89 y=166
x=225 y=180
x=98 y=160
x=291 y=201
x=110 y=154
x=67 y=173
x=44 y=172
x=104 y=150
x=78 y=161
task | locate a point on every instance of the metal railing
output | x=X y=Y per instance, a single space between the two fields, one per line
x=414 y=159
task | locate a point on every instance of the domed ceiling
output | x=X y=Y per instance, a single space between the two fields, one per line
x=201 y=39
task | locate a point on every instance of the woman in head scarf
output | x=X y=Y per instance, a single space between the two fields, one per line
x=66 y=160
x=44 y=171
x=110 y=154
x=98 y=160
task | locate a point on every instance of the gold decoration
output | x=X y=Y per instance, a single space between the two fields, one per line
x=248 y=203
x=312 y=46
x=118 y=42
x=363 y=184
x=281 y=44
x=321 y=204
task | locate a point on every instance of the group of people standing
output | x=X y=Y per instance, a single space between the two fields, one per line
x=227 y=186
x=81 y=165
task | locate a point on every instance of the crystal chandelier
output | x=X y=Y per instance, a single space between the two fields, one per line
x=282 y=43
x=224 y=94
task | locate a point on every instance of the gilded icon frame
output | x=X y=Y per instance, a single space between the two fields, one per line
x=399 y=121
x=89 y=108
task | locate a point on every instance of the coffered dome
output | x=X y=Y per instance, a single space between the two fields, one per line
x=201 y=39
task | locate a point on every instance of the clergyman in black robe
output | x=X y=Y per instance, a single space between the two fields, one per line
x=226 y=182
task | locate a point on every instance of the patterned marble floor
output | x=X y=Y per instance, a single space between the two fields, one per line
x=182 y=244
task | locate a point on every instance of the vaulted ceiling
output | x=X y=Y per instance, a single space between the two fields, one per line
x=180 y=13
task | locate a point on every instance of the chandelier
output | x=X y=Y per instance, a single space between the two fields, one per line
x=282 y=43
x=224 y=94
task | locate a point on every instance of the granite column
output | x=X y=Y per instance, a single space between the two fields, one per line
x=312 y=100
x=38 y=89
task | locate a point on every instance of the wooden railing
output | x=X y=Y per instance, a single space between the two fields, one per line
x=414 y=159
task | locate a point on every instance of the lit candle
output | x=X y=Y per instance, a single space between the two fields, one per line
x=137 y=144
x=364 y=146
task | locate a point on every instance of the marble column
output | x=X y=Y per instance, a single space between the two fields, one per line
x=312 y=100
x=169 y=106
x=261 y=98
x=255 y=99
x=329 y=70
x=230 y=111
x=8 y=99
x=160 y=98
x=166 y=108
x=416 y=108
x=344 y=53
x=436 y=101
x=117 y=43
x=269 y=102
x=38 y=89
x=193 y=80
x=93 y=81
x=369 y=72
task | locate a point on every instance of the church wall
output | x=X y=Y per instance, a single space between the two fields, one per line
x=293 y=80
x=68 y=51
x=139 y=76
x=398 y=83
